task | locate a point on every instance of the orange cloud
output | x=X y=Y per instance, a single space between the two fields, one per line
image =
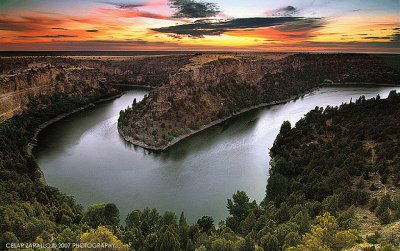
x=27 y=23
x=270 y=33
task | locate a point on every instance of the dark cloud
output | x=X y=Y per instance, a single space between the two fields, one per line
x=285 y=11
x=295 y=36
x=89 y=45
x=28 y=23
x=377 y=37
x=13 y=26
x=193 y=9
x=59 y=28
x=49 y=36
x=202 y=28
x=92 y=30
x=396 y=35
x=303 y=24
x=123 y=5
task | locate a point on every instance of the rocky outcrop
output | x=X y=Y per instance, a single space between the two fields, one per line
x=26 y=77
x=16 y=89
x=206 y=92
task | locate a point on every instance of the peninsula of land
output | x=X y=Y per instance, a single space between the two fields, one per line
x=211 y=88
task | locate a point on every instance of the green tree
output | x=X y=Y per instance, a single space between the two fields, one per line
x=326 y=235
x=291 y=239
x=182 y=220
x=8 y=237
x=133 y=219
x=102 y=235
x=102 y=215
x=249 y=223
x=206 y=224
x=277 y=188
x=222 y=245
x=269 y=242
x=246 y=244
x=239 y=206
x=111 y=214
x=184 y=232
x=169 y=218
x=168 y=240
x=94 y=216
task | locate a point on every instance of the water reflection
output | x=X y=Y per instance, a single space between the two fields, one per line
x=83 y=155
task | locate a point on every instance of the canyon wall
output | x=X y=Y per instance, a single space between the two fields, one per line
x=191 y=91
x=211 y=89
x=24 y=77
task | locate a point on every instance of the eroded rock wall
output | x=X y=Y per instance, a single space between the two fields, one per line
x=24 y=77
x=204 y=92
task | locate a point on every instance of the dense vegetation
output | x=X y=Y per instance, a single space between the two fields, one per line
x=324 y=170
x=342 y=157
x=30 y=209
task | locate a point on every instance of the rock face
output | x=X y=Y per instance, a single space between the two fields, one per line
x=85 y=77
x=191 y=91
x=17 y=88
x=211 y=89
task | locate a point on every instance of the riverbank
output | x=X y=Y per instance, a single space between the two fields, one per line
x=31 y=145
x=211 y=124
x=219 y=121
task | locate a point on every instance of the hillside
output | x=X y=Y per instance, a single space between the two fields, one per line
x=214 y=87
x=345 y=156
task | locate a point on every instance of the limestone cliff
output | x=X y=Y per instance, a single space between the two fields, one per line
x=213 y=88
x=22 y=77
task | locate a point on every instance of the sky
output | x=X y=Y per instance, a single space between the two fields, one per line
x=201 y=25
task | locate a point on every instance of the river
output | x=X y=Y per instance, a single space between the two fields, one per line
x=83 y=155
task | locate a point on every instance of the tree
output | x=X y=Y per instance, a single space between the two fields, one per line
x=169 y=218
x=270 y=243
x=222 y=245
x=285 y=128
x=247 y=244
x=94 y=216
x=102 y=215
x=206 y=224
x=8 y=237
x=168 y=240
x=150 y=242
x=239 y=207
x=326 y=235
x=249 y=223
x=291 y=239
x=277 y=188
x=134 y=237
x=102 y=235
x=149 y=221
x=182 y=220
x=190 y=246
x=184 y=233
x=111 y=214
x=284 y=167
x=133 y=219
x=282 y=215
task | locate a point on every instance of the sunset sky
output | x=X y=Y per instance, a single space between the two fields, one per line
x=250 y=25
